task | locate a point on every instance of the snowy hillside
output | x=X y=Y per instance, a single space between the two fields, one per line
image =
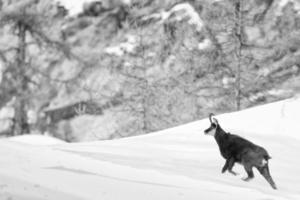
x=178 y=163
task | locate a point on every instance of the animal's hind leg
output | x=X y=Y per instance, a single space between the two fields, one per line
x=249 y=171
x=264 y=170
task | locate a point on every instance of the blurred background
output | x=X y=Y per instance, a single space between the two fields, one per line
x=96 y=70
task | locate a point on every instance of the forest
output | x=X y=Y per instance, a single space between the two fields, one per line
x=117 y=68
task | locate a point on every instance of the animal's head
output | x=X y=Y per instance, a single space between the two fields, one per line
x=213 y=126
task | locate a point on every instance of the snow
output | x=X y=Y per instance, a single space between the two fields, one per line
x=177 y=163
x=128 y=46
x=190 y=12
x=206 y=43
x=180 y=12
x=36 y=140
x=283 y=3
x=76 y=7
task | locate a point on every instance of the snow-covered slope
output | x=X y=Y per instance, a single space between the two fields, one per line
x=178 y=163
x=36 y=140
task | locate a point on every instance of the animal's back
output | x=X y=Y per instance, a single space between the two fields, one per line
x=238 y=147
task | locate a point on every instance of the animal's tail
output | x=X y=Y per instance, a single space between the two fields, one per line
x=264 y=170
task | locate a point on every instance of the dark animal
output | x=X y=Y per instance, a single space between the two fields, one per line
x=236 y=149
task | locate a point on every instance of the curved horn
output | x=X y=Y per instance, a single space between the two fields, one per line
x=210 y=116
x=215 y=121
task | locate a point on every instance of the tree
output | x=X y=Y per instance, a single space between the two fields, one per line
x=160 y=73
x=227 y=25
x=239 y=38
x=137 y=88
x=27 y=21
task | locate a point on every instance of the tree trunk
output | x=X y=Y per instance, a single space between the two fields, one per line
x=145 y=111
x=20 y=120
x=239 y=32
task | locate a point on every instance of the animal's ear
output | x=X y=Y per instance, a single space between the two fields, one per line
x=215 y=121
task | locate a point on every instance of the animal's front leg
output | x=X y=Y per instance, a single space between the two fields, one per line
x=229 y=165
x=225 y=167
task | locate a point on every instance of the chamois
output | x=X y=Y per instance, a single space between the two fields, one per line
x=237 y=149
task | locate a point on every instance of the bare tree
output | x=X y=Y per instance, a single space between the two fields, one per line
x=27 y=21
x=238 y=5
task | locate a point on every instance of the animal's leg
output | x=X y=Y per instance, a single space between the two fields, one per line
x=264 y=170
x=249 y=171
x=229 y=165
x=225 y=166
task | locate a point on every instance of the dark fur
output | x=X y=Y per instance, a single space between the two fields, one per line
x=237 y=149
